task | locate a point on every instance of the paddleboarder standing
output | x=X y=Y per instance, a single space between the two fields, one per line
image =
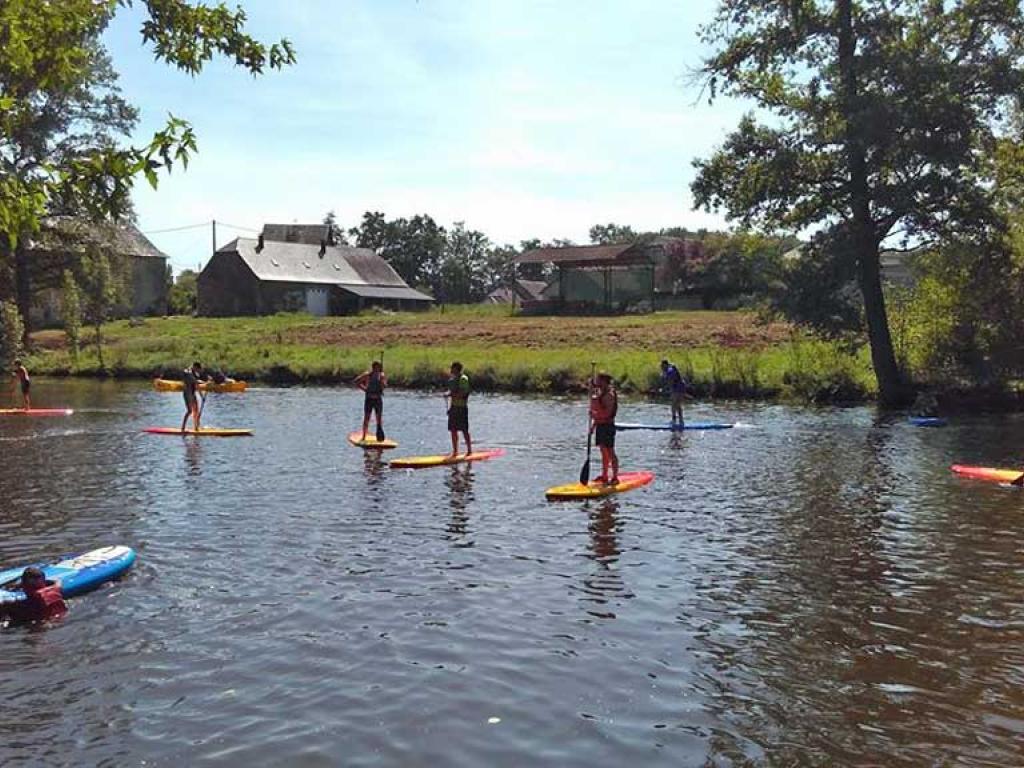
x=21 y=374
x=673 y=381
x=373 y=382
x=190 y=392
x=604 y=404
x=458 y=408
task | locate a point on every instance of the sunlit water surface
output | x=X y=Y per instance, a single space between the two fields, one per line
x=813 y=589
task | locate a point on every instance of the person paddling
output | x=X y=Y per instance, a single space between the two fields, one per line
x=604 y=404
x=43 y=599
x=373 y=382
x=458 y=407
x=674 y=382
x=21 y=374
x=193 y=376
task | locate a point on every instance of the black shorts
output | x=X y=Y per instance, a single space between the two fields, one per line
x=190 y=399
x=26 y=385
x=604 y=434
x=372 y=404
x=458 y=418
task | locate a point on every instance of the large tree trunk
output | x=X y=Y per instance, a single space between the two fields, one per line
x=23 y=288
x=891 y=389
x=863 y=239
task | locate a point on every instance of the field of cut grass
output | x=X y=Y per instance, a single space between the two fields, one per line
x=724 y=354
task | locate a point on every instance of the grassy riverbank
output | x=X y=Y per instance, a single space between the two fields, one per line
x=724 y=354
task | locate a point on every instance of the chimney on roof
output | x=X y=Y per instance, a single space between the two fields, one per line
x=331 y=240
x=259 y=243
x=323 y=248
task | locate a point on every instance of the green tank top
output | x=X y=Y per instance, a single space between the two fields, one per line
x=459 y=389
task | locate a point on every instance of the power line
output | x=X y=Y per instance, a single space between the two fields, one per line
x=176 y=229
x=234 y=226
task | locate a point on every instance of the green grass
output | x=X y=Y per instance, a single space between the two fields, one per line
x=275 y=349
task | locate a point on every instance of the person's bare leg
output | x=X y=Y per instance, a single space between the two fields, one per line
x=455 y=443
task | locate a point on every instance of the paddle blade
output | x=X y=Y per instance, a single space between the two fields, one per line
x=585 y=472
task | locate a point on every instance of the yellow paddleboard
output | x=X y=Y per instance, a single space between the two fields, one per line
x=627 y=482
x=419 y=462
x=371 y=441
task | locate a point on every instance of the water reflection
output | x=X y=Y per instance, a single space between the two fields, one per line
x=460 y=495
x=603 y=586
x=374 y=467
x=193 y=456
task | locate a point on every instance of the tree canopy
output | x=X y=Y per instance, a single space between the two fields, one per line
x=876 y=124
x=63 y=122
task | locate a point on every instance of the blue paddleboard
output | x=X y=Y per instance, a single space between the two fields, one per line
x=76 y=574
x=927 y=421
x=674 y=427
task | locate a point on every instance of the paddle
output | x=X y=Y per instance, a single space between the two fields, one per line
x=202 y=405
x=585 y=469
x=380 y=429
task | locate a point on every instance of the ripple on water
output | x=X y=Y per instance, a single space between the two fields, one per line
x=816 y=589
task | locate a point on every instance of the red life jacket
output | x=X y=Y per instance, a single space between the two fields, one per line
x=601 y=414
x=43 y=604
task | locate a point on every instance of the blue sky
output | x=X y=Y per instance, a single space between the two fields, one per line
x=535 y=118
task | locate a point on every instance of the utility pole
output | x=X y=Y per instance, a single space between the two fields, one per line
x=214 y=223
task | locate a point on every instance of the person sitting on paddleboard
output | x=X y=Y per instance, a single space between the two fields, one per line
x=604 y=404
x=193 y=376
x=43 y=599
x=21 y=374
x=673 y=381
x=373 y=382
x=458 y=408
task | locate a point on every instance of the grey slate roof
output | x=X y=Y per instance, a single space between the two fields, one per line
x=354 y=269
x=310 y=234
x=70 y=234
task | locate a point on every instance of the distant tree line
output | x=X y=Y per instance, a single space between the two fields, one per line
x=458 y=265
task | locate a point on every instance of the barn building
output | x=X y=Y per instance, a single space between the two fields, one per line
x=295 y=267
x=618 y=277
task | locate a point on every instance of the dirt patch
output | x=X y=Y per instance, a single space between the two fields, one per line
x=721 y=329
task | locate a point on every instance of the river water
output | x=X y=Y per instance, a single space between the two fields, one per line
x=815 y=588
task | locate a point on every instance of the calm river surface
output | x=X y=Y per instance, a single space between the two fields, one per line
x=816 y=589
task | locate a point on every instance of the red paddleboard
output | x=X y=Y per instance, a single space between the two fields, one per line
x=36 y=412
x=991 y=474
